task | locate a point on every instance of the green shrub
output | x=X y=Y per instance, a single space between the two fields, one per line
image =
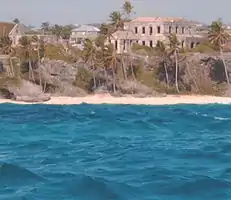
x=83 y=79
x=141 y=49
x=57 y=52
x=205 y=47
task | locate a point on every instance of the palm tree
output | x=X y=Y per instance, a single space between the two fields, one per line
x=57 y=31
x=127 y=10
x=111 y=60
x=100 y=40
x=107 y=30
x=66 y=32
x=36 y=40
x=174 y=47
x=163 y=53
x=116 y=20
x=219 y=37
x=16 y=21
x=101 y=60
x=27 y=49
x=89 y=55
x=45 y=26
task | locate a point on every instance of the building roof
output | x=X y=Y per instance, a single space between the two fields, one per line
x=158 y=19
x=85 y=28
x=124 y=34
x=5 y=28
x=97 y=25
x=23 y=28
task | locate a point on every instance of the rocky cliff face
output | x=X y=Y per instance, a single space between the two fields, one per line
x=201 y=73
x=198 y=73
x=58 y=77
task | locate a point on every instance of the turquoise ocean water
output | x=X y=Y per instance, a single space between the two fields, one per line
x=115 y=152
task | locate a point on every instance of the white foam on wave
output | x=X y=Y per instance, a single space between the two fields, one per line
x=215 y=117
x=221 y=118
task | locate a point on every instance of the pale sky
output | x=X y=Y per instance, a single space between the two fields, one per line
x=34 y=12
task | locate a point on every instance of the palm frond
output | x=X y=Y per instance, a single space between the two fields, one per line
x=217 y=34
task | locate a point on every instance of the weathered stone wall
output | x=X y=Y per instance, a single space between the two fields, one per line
x=148 y=33
x=181 y=27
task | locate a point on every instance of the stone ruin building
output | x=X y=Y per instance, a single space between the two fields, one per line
x=148 y=30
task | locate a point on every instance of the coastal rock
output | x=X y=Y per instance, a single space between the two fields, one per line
x=70 y=91
x=28 y=92
x=227 y=92
x=101 y=90
x=199 y=73
x=30 y=99
x=133 y=87
x=202 y=73
x=58 y=76
x=137 y=89
x=5 y=94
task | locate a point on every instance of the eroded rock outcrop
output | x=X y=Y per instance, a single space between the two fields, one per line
x=28 y=92
x=58 y=78
x=137 y=89
x=198 y=73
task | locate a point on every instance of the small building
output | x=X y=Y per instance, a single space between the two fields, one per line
x=148 y=30
x=13 y=31
x=16 y=31
x=6 y=28
x=47 y=37
x=81 y=32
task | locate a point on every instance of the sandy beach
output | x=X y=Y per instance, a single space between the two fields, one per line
x=107 y=99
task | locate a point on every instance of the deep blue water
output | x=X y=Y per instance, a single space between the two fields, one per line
x=115 y=152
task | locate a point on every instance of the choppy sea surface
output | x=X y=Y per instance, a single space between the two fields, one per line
x=115 y=152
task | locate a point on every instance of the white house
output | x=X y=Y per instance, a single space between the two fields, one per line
x=81 y=32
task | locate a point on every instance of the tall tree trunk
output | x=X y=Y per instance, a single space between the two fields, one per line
x=109 y=39
x=38 y=53
x=44 y=86
x=40 y=77
x=31 y=73
x=176 y=75
x=39 y=62
x=225 y=66
x=12 y=74
x=114 y=78
x=126 y=48
x=123 y=68
x=94 y=70
x=194 y=81
x=94 y=78
x=166 y=74
x=132 y=69
x=105 y=74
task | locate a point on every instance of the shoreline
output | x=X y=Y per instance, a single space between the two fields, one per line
x=128 y=100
